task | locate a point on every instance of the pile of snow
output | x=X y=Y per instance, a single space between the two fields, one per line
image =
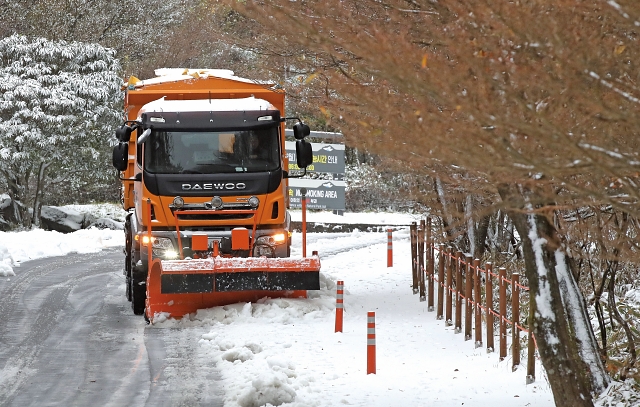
x=620 y=394
x=16 y=247
x=100 y=211
x=633 y=296
x=5 y=201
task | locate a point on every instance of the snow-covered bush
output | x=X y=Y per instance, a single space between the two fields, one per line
x=59 y=104
x=369 y=189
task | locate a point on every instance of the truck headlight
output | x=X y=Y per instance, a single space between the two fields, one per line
x=216 y=202
x=254 y=202
x=170 y=254
x=279 y=238
x=178 y=202
x=163 y=247
x=272 y=240
x=144 y=239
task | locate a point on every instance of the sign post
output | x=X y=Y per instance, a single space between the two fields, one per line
x=304 y=221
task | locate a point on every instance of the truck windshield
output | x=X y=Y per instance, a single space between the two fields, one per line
x=210 y=152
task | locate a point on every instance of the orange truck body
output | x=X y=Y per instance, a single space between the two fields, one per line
x=217 y=236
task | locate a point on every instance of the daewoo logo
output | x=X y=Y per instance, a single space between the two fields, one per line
x=213 y=186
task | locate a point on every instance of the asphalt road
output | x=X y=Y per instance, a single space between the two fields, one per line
x=68 y=337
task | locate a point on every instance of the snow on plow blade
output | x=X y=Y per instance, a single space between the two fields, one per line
x=180 y=287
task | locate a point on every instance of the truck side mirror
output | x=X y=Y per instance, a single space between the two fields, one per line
x=304 y=153
x=120 y=156
x=123 y=133
x=300 y=131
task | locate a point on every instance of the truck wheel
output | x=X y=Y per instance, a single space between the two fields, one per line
x=138 y=290
x=127 y=255
x=128 y=292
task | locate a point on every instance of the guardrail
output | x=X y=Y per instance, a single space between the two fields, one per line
x=326 y=227
x=460 y=279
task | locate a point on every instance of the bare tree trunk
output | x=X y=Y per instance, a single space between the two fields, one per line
x=501 y=243
x=613 y=309
x=453 y=210
x=575 y=306
x=471 y=224
x=571 y=380
x=597 y=294
x=16 y=214
x=35 y=219
x=447 y=218
x=481 y=236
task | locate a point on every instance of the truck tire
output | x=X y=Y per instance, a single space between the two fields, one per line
x=138 y=292
x=128 y=288
x=128 y=257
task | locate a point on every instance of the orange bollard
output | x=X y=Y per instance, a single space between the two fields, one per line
x=371 y=342
x=339 y=305
x=389 y=249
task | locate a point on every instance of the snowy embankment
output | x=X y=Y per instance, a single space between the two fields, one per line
x=17 y=247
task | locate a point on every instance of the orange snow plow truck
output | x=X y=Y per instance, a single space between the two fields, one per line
x=204 y=174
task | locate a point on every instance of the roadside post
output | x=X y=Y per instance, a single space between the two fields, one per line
x=303 y=191
x=339 y=305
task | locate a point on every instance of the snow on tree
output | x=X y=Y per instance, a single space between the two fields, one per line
x=59 y=102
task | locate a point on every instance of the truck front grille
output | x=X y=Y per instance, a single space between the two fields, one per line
x=214 y=216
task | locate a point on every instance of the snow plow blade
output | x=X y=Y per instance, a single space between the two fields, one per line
x=180 y=287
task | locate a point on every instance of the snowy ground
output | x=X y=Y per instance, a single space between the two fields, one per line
x=285 y=352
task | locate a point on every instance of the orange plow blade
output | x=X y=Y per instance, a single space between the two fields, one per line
x=180 y=287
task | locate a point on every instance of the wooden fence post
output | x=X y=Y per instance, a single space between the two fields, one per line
x=477 y=302
x=430 y=265
x=453 y=268
x=458 y=321
x=502 y=284
x=531 y=345
x=468 y=294
x=449 y=287
x=441 y=282
x=515 y=312
x=489 y=298
x=421 y=270
x=414 y=256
